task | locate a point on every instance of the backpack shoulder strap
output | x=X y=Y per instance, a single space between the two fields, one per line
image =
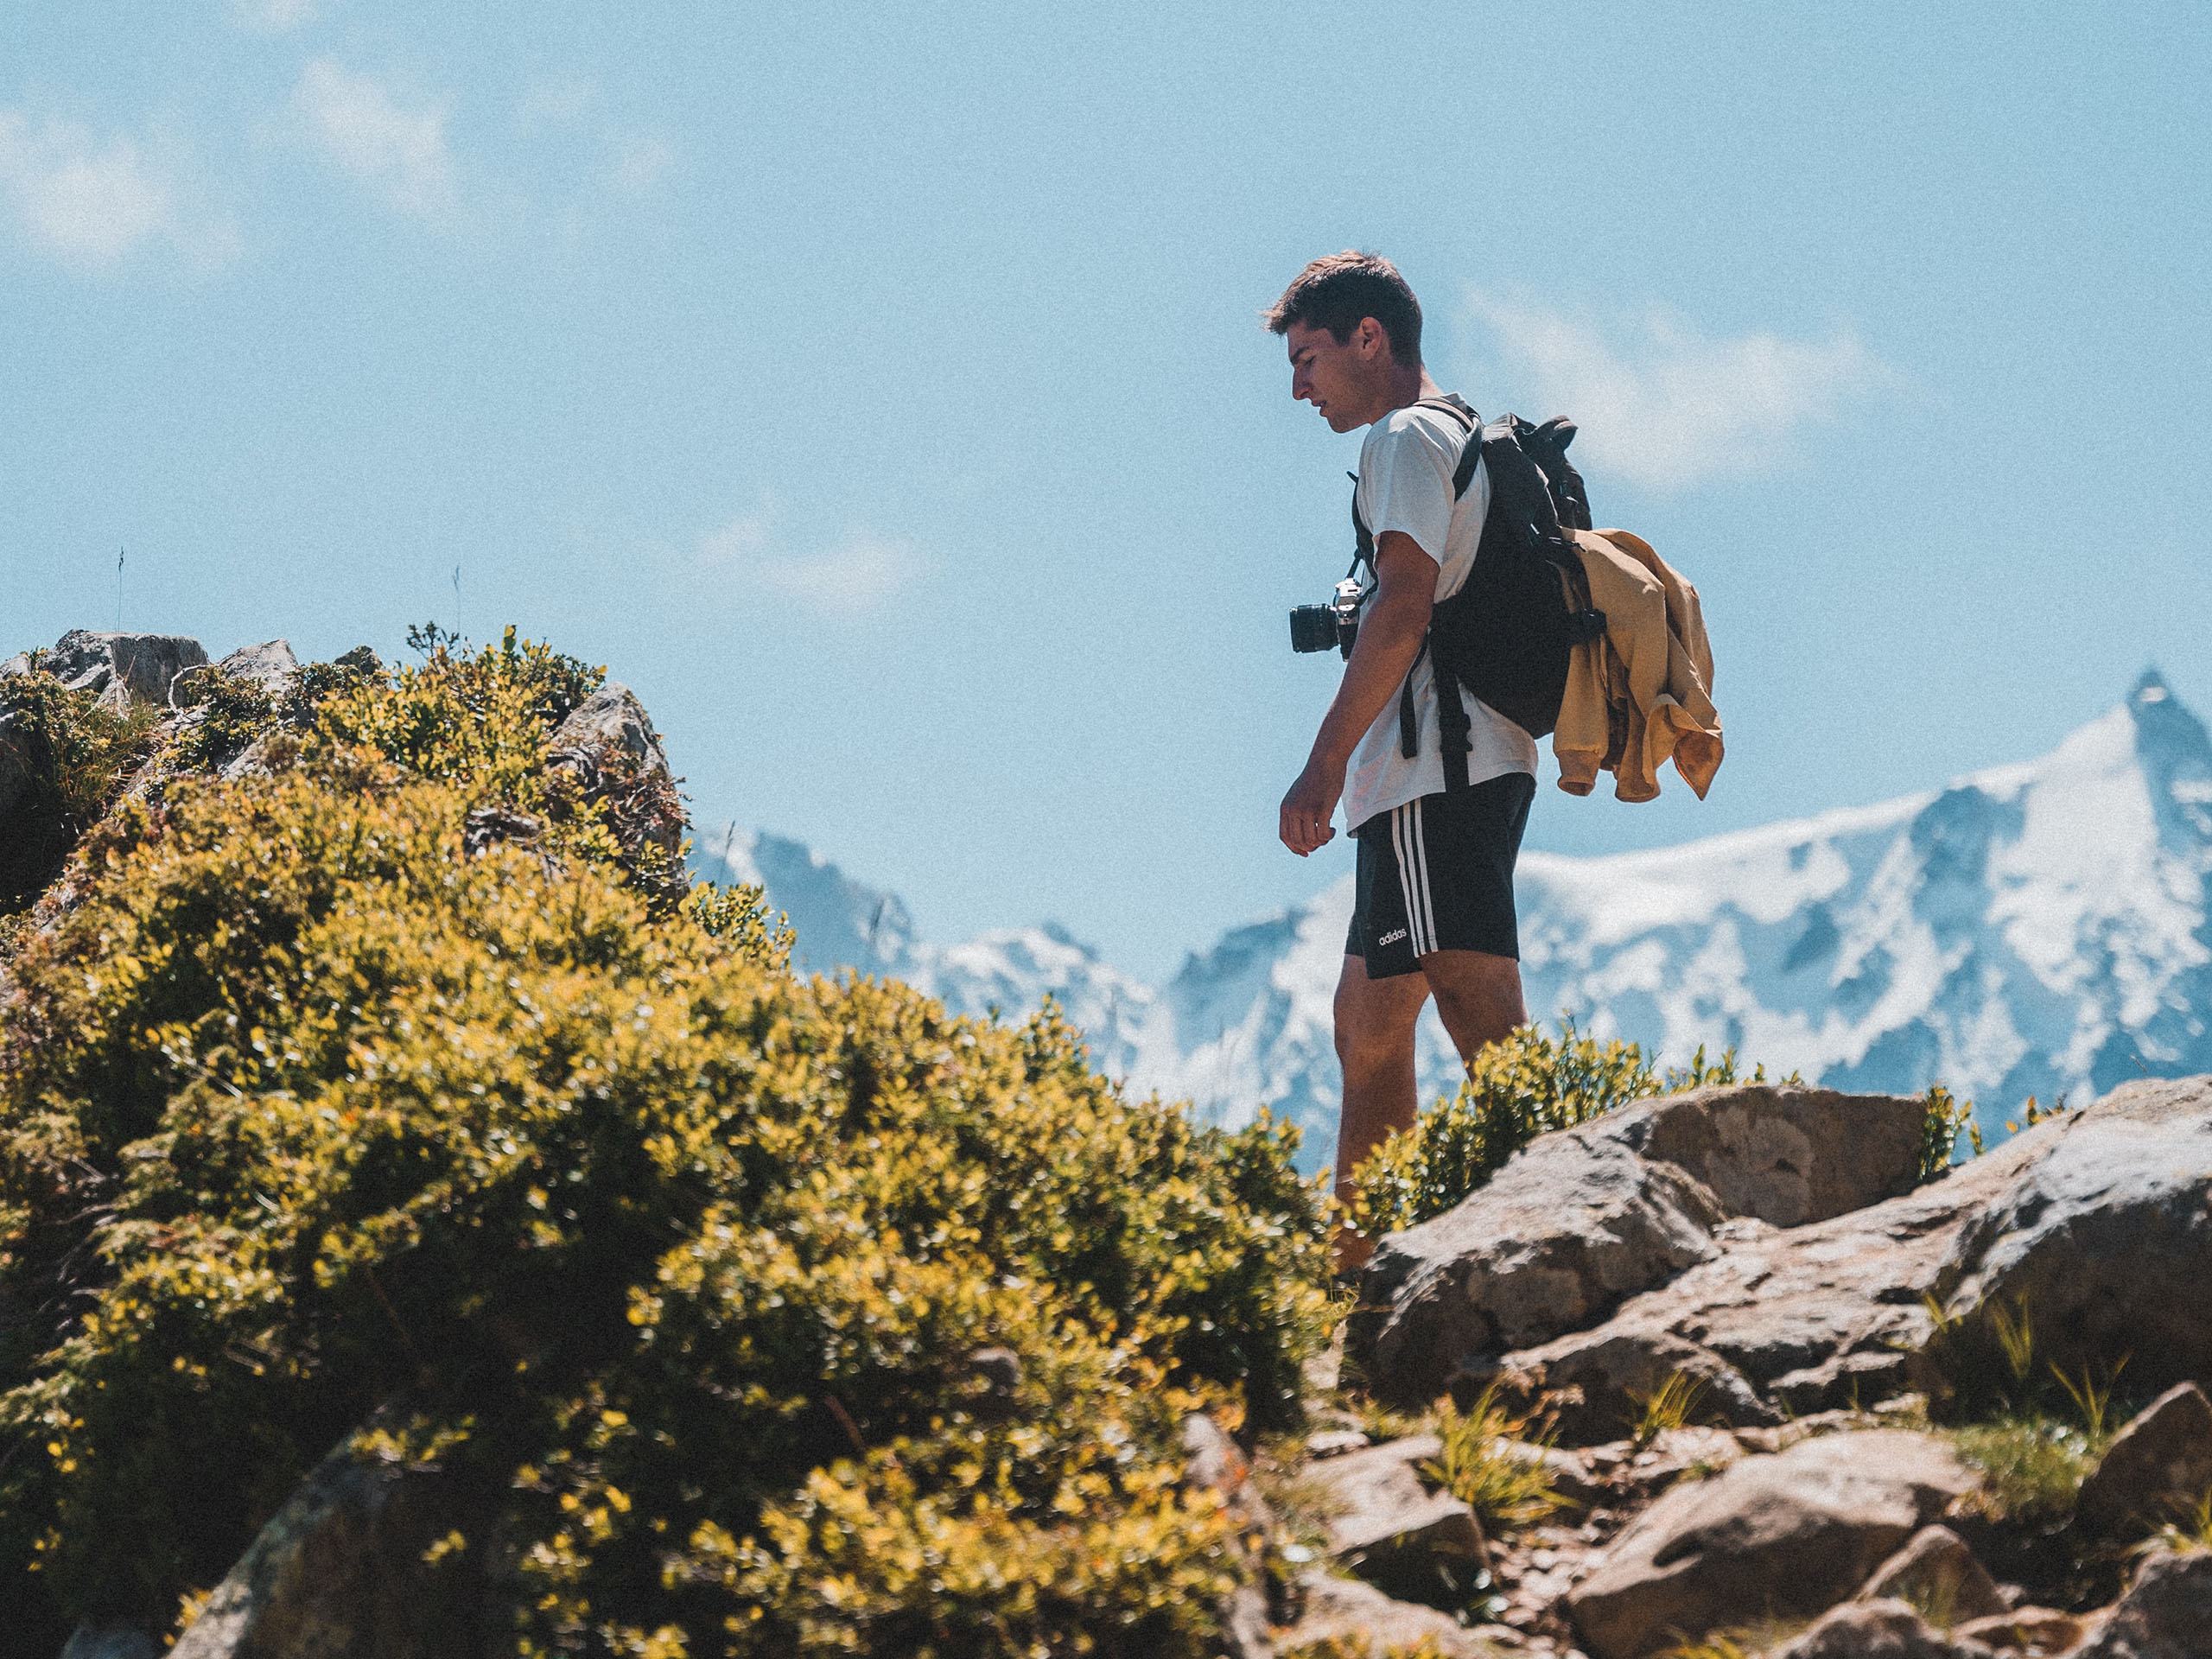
x=1464 y=474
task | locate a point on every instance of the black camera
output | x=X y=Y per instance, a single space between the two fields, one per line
x=1334 y=626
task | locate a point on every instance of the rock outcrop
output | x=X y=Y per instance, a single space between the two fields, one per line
x=340 y=1571
x=1389 y=1528
x=2105 y=1238
x=1880 y=1629
x=1937 y=1574
x=2099 y=1222
x=1346 y=1612
x=115 y=666
x=2156 y=1469
x=2166 y=1613
x=1790 y=1533
x=1586 y=1217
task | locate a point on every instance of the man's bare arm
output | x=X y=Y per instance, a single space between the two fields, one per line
x=1390 y=631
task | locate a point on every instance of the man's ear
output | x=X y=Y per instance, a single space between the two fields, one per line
x=1372 y=339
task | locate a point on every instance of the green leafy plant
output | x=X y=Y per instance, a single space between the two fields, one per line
x=2032 y=1114
x=2015 y=1335
x=1485 y=1462
x=1947 y=1119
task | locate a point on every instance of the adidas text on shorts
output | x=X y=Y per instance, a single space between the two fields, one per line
x=1436 y=874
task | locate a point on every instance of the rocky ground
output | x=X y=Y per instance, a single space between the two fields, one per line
x=1781 y=1418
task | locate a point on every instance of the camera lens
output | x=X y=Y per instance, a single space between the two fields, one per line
x=1313 y=627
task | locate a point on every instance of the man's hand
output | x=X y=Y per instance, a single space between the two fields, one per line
x=1391 y=627
x=1310 y=805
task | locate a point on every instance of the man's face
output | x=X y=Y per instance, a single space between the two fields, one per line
x=1337 y=379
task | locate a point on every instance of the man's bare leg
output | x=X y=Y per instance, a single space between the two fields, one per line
x=1375 y=1044
x=1479 y=996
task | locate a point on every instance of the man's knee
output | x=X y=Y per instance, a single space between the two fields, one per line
x=1479 y=994
x=1375 y=1019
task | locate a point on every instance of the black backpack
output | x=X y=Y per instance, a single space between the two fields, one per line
x=1507 y=634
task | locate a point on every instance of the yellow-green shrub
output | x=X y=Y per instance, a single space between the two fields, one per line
x=308 y=1114
x=1516 y=1089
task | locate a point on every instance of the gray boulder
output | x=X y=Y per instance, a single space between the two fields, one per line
x=116 y=665
x=271 y=666
x=2156 y=1469
x=610 y=721
x=609 y=746
x=1387 y=1526
x=1584 y=1218
x=1347 y=1611
x=1880 y=1630
x=1938 y=1574
x=2098 y=1219
x=2106 y=1238
x=1789 y=1534
x=2166 y=1613
x=340 y=1572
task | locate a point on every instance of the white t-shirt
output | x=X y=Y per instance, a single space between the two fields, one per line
x=1405 y=484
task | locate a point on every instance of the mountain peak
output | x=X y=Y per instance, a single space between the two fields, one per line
x=2170 y=740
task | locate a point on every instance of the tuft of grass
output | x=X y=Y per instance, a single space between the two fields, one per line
x=2093 y=1400
x=2189 y=1535
x=1669 y=1405
x=1480 y=1466
x=2032 y=1465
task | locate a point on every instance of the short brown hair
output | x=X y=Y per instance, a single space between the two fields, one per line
x=1337 y=292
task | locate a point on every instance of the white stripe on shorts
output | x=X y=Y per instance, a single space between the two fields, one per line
x=1411 y=847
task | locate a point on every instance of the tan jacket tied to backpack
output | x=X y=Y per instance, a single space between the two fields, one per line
x=1641 y=695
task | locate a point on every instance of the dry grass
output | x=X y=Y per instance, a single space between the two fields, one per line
x=1483 y=1464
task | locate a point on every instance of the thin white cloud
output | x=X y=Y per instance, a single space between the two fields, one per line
x=849 y=578
x=1663 y=406
x=641 y=160
x=556 y=103
x=271 y=17
x=400 y=153
x=93 y=202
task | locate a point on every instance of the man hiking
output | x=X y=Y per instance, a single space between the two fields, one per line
x=1434 y=911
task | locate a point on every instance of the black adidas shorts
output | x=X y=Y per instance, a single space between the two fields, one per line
x=1437 y=874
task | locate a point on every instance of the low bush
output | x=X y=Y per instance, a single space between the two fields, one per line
x=68 y=756
x=1516 y=1089
x=326 y=1109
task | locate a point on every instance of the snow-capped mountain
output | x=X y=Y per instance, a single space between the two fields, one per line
x=2037 y=929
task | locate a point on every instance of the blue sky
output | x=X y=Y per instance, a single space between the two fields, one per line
x=877 y=390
